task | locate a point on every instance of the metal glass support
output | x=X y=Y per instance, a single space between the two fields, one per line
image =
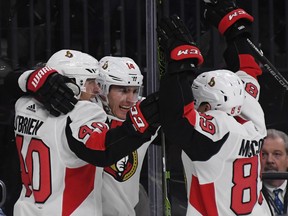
x=154 y=152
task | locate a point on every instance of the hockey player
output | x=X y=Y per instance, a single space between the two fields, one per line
x=219 y=124
x=57 y=180
x=121 y=81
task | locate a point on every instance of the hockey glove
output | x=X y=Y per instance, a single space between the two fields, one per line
x=51 y=89
x=228 y=18
x=143 y=118
x=176 y=42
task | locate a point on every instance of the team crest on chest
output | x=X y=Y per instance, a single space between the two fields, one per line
x=125 y=168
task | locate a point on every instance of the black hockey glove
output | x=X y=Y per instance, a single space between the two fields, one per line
x=228 y=18
x=144 y=118
x=176 y=42
x=51 y=89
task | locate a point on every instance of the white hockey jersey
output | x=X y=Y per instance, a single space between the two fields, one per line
x=221 y=153
x=120 y=192
x=230 y=176
x=55 y=180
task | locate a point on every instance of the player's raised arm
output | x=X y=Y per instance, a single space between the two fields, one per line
x=204 y=122
x=46 y=85
x=176 y=99
x=106 y=146
x=235 y=24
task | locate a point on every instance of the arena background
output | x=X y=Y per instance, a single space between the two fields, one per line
x=32 y=30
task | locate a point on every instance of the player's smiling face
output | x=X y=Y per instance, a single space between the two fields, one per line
x=121 y=98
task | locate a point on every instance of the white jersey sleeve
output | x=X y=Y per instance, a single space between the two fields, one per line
x=251 y=109
x=84 y=117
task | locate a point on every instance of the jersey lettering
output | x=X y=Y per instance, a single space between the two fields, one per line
x=87 y=130
x=99 y=125
x=244 y=191
x=27 y=125
x=250 y=148
x=37 y=180
x=251 y=89
x=206 y=124
x=130 y=66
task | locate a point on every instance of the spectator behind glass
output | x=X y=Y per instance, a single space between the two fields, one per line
x=275 y=159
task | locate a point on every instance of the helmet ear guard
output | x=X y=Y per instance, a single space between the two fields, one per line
x=222 y=89
x=76 y=65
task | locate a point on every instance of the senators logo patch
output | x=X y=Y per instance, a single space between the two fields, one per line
x=69 y=54
x=124 y=168
x=105 y=65
x=211 y=82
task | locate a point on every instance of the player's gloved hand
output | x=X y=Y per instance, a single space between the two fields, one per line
x=51 y=89
x=228 y=18
x=176 y=42
x=144 y=117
